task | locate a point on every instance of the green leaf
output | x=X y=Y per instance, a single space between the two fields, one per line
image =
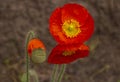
x=23 y=78
x=33 y=75
x=118 y=81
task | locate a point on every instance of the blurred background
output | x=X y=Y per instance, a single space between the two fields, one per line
x=17 y=17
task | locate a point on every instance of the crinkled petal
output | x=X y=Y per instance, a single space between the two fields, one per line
x=57 y=57
x=74 y=11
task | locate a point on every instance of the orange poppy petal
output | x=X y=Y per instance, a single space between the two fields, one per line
x=74 y=11
x=35 y=44
x=87 y=29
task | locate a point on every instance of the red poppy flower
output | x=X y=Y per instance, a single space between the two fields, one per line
x=35 y=44
x=71 y=24
x=62 y=54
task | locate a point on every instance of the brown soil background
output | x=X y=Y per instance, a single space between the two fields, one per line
x=17 y=17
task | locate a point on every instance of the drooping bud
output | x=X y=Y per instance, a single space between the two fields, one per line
x=36 y=50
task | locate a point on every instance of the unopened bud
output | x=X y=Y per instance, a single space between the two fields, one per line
x=38 y=55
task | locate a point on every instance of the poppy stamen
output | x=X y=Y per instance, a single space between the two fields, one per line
x=71 y=28
x=68 y=53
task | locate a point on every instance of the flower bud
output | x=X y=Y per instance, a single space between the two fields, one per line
x=38 y=55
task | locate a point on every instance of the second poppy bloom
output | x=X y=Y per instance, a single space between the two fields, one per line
x=71 y=24
x=64 y=54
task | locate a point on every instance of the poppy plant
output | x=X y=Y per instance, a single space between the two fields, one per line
x=62 y=54
x=35 y=44
x=71 y=23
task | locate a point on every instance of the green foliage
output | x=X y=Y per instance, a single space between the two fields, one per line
x=33 y=76
x=24 y=77
x=118 y=81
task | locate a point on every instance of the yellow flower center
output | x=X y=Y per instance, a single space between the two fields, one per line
x=68 y=53
x=71 y=28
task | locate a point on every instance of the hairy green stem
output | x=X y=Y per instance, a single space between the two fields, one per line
x=61 y=72
x=55 y=70
x=27 y=68
x=30 y=35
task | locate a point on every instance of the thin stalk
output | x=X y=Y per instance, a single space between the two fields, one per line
x=61 y=72
x=27 y=68
x=55 y=70
x=30 y=35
